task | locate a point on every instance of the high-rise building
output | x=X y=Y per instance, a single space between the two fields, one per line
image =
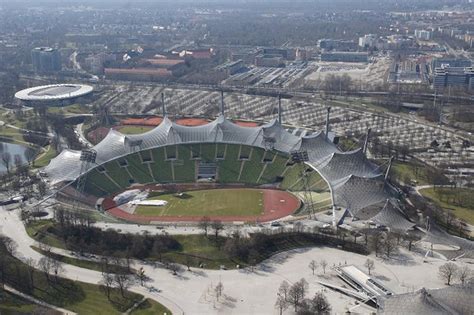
x=46 y=59
x=423 y=34
x=367 y=40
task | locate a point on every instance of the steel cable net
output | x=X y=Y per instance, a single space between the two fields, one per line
x=392 y=216
x=356 y=193
x=354 y=180
x=456 y=299
x=341 y=165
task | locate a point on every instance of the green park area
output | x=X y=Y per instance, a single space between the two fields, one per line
x=76 y=296
x=458 y=200
x=214 y=202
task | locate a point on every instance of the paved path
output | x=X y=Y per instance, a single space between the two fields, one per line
x=246 y=291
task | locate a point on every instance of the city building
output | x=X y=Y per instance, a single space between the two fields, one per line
x=230 y=68
x=46 y=59
x=367 y=40
x=287 y=54
x=96 y=62
x=423 y=34
x=343 y=56
x=269 y=60
x=139 y=74
x=447 y=76
x=247 y=55
x=450 y=62
x=337 y=44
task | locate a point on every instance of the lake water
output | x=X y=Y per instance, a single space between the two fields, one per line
x=13 y=149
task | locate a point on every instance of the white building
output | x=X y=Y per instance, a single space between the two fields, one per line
x=367 y=40
x=423 y=34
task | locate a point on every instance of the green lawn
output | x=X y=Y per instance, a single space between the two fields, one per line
x=208 y=202
x=459 y=200
x=44 y=158
x=11 y=134
x=13 y=304
x=70 y=109
x=132 y=130
x=79 y=297
x=87 y=264
x=404 y=171
x=150 y=307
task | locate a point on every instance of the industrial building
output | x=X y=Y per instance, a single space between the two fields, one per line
x=269 y=60
x=46 y=59
x=337 y=44
x=451 y=62
x=230 y=68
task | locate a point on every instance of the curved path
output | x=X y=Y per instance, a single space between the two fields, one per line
x=251 y=292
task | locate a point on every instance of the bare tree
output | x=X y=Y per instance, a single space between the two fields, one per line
x=219 y=289
x=297 y=293
x=6 y=160
x=389 y=244
x=320 y=305
x=10 y=245
x=204 y=224
x=464 y=274
x=30 y=269
x=376 y=242
x=447 y=272
x=313 y=265
x=46 y=266
x=283 y=289
x=281 y=303
x=411 y=238
x=369 y=264
x=324 y=264
x=123 y=282
x=107 y=282
x=217 y=226
x=57 y=268
x=175 y=268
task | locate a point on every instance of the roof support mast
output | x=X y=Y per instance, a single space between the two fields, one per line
x=279 y=109
x=388 y=168
x=327 y=122
x=163 y=104
x=222 y=102
x=366 y=142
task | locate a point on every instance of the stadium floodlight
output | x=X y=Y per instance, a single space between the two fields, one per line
x=88 y=156
x=299 y=156
x=269 y=142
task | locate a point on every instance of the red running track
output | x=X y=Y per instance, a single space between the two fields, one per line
x=276 y=204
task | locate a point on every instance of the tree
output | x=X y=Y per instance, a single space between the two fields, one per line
x=389 y=244
x=123 y=282
x=108 y=282
x=30 y=269
x=313 y=265
x=324 y=264
x=57 y=268
x=447 y=272
x=376 y=242
x=320 y=305
x=175 y=268
x=464 y=274
x=281 y=303
x=219 y=289
x=217 y=226
x=297 y=293
x=10 y=245
x=283 y=289
x=45 y=265
x=6 y=160
x=204 y=224
x=410 y=238
x=30 y=155
x=158 y=248
x=369 y=264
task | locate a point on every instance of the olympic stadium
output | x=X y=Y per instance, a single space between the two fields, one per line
x=54 y=93
x=222 y=154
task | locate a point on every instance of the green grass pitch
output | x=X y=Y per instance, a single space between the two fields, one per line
x=213 y=202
